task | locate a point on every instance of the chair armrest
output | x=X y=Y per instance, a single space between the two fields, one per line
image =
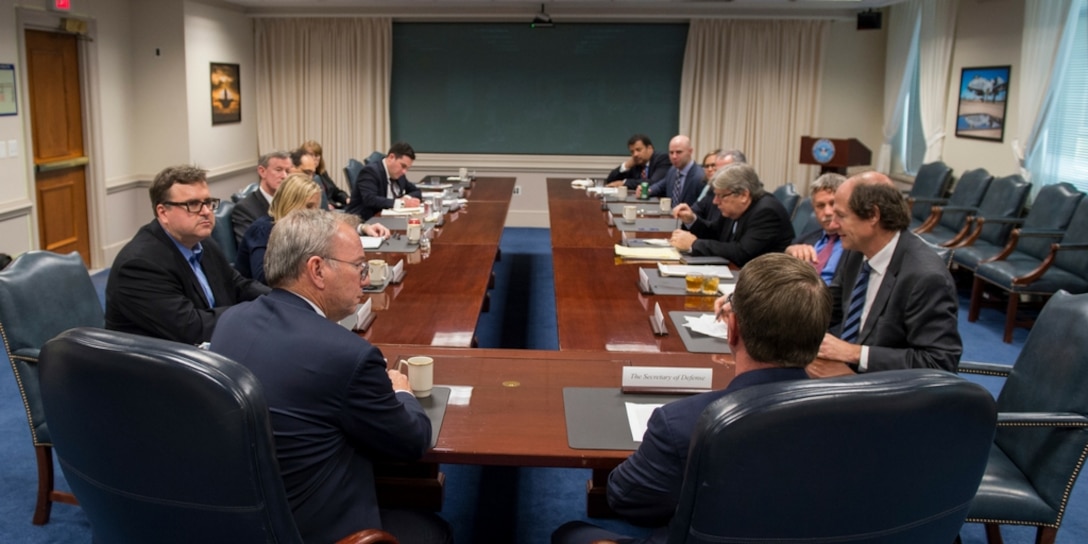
x=27 y=354
x=928 y=200
x=1042 y=233
x=1041 y=419
x=369 y=536
x=970 y=209
x=1011 y=220
x=1060 y=247
x=984 y=369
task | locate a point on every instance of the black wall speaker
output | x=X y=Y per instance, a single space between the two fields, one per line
x=869 y=20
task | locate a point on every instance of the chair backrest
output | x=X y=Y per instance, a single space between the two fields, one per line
x=1076 y=232
x=374 y=156
x=223 y=232
x=1052 y=209
x=789 y=198
x=931 y=182
x=886 y=457
x=163 y=442
x=42 y=294
x=1004 y=198
x=1050 y=375
x=969 y=190
x=804 y=218
x=352 y=171
x=244 y=192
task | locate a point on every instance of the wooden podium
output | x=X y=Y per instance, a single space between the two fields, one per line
x=833 y=154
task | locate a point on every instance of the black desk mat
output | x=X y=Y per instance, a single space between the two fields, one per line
x=435 y=407
x=675 y=285
x=393 y=223
x=647 y=225
x=597 y=417
x=648 y=210
x=632 y=199
x=398 y=243
x=697 y=342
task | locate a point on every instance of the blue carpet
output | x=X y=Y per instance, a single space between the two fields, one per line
x=485 y=504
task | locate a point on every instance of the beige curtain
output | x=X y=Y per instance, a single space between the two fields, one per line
x=903 y=30
x=937 y=35
x=325 y=80
x=754 y=86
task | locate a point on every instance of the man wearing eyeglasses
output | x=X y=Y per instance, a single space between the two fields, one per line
x=170 y=281
x=334 y=407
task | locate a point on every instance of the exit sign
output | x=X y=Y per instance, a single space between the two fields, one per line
x=62 y=5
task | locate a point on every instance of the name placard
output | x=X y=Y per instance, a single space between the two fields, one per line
x=667 y=379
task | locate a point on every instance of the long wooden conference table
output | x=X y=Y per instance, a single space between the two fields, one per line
x=515 y=414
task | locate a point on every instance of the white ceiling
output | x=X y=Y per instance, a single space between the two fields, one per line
x=561 y=10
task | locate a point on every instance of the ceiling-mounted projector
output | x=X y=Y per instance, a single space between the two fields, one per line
x=542 y=20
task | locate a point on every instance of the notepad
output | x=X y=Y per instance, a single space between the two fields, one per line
x=371 y=242
x=679 y=270
x=648 y=253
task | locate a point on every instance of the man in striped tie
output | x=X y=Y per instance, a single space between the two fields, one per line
x=895 y=302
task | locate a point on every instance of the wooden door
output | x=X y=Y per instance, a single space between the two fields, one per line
x=56 y=118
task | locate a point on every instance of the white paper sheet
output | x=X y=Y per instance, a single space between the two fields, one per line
x=648 y=253
x=460 y=395
x=638 y=415
x=371 y=242
x=681 y=270
x=706 y=324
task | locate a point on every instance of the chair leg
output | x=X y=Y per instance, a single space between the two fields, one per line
x=1046 y=535
x=45 y=484
x=993 y=534
x=1010 y=316
x=976 y=300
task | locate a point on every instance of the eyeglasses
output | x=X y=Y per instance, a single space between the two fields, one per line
x=364 y=268
x=722 y=196
x=195 y=206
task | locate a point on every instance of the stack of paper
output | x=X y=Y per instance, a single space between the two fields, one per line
x=582 y=184
x=401 y=212
x=680 y=270
x=707 y=324
x=648 y=253
x=371 y=242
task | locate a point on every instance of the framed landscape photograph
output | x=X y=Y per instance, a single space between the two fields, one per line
x=984 y=95
x=226 y=94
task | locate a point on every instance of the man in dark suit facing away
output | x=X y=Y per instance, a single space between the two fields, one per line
x=171 y=280
x=382 y=183
x=644 y=164
x=776 y=319
x=895 y=302
x=821 y=245
x=334 y=406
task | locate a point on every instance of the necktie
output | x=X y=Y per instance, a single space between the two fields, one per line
x=194 y=261
x=677 y=186
x=826 y=251
x=852 y=324
x=646 y=171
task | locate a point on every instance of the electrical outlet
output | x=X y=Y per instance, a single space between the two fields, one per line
x=13 y=148
x=517 y=189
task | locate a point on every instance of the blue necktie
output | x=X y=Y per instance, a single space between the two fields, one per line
x=194 y=262
x=852 y=325
x=677 y=186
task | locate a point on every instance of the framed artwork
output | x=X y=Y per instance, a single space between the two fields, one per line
x=226 y=94
x=984 y=96
x=8 y=106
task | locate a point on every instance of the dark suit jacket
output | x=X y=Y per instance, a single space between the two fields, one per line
x=250 y=260
x=706 y=209
x=332 y=408
x=153 y=291
x=659 y=166
x=912 y=322
x=693 y=185
x=247 y=211
x=645 y=488
x=763 y=228
x=333 y=194
x=368 y=195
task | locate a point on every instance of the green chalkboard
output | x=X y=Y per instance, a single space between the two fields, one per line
x=574 y=89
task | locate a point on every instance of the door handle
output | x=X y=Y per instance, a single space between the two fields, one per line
x=61 y=164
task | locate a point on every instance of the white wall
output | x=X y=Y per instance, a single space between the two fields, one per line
x=988 y=33
x=852 y=91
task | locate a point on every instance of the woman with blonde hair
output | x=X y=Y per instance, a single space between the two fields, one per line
x=296 y=192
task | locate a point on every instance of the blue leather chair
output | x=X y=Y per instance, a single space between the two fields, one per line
x=244 y=192
x=789 y=198
x=1042 y=432
x=41 y=295
x=930 y=187
x=946 y=220
x=889 y=457
x=999 y=211
x=223 y=232
x=164 y=442
x=373 y=156
x=1041 y=264
x=1051 y=212
x=352 y=171
x=804 y=218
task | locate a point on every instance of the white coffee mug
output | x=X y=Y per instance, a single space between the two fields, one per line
x=462 y=173
x=420 y=374
x=621 y=193
x=378 y=271
x=629 y=213
x=415 y=229
x=666 y=204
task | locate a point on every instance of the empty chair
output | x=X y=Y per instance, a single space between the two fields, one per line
x=1042 y=432
x=930 y=186
x=236 y=197
x=804 y=218
x=788 y=197
x=997 y=214
x=1036 y=267
x=373 y=156
x=223 y=231
x=899 y=455
x=165 y=442
x=352 y=171
x=41 y=295
x=1051 y=212
x=947 y=220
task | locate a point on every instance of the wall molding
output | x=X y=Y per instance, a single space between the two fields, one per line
x=16 y=209
x=557 y=165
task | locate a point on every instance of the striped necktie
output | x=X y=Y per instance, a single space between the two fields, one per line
x=852 y=324
x=677 y=187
